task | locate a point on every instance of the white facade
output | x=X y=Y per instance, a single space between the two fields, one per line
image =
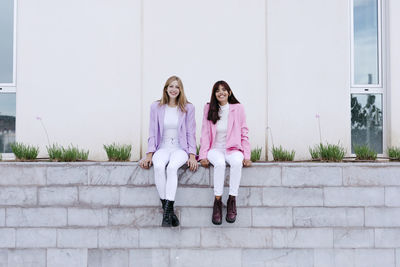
x=90 y=69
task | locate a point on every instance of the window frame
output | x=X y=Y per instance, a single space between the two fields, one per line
x=11 y=87
x=379 y=88
x=380 y=54
x=6 y=88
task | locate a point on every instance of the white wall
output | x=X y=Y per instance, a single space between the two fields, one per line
x=92 y=68
x=79 y=69
x=308 y=73
x=202 y=42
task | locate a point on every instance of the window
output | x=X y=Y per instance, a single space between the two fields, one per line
x=7 y=75
x=367 y=90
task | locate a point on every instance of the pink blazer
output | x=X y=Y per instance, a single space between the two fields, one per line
x=186 y=128
x=236 y=138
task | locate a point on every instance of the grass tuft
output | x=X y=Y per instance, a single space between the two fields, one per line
x=280 y=154
x=116 y=152
x=394 y=153
x=328 y=152
x=255 y=154
x=24 y=152
x=69 y=154
x=364 y=153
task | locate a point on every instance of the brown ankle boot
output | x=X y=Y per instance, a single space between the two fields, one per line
x=217 y=212
x=231 y=209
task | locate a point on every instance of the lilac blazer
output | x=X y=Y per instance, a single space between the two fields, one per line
x=186 y=128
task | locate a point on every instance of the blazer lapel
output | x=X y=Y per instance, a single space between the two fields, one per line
x=161 y=115
x=231 y=117
x=181 y=116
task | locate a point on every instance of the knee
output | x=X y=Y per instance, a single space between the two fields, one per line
x=158 y=167
x=236 y=164
x=219 y=164
x=172 y=168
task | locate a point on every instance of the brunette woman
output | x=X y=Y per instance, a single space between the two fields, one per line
x=172 y=141
x=224 y=139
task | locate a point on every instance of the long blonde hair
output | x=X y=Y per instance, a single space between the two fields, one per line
x=181 y=99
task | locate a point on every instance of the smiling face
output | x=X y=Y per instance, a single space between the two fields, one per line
x=222 y=95
x=173 y=90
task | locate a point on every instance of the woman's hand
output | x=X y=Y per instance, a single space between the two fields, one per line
x=192 y=163
x=246 y=163
x=146 y=162
x=205 y=163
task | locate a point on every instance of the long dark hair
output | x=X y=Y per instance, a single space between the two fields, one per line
x=214 y=107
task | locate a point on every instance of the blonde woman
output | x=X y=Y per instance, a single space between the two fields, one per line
x=171 y=144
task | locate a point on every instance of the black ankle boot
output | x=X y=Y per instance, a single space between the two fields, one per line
x=175 y=220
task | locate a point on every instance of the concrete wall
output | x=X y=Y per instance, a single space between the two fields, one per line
x=91 y=69
x=108 y=214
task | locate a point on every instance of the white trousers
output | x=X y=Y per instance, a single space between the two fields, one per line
x=217 y=157
x=167 y=184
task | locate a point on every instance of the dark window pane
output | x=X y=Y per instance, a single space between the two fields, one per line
x=367 y=121
x=366 y=49
x=6 y=41
x=7 y=121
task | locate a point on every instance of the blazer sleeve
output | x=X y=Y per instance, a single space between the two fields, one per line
x=151 y=141
x=244 y=134
x=191 y=129
x=205 y=135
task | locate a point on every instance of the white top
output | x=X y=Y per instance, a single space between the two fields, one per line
x=222 y=127
x=170 y=133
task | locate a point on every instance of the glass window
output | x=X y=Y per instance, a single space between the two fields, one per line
x=7 y=121
x=367 y=121
x=7 y=41
x=366 y=42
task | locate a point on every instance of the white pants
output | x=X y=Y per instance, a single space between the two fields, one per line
x=217 y=157
x=175 y=158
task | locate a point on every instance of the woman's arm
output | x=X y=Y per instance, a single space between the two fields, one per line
x=244 y=135
x=151 y=141
x=191 y=129
x=205 y=135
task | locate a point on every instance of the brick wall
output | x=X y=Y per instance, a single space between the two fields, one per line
x=108 y=214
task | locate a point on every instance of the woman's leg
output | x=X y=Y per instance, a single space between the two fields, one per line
x=176 y=160
x=217 y=159
x=235 y=160
x=160 y=160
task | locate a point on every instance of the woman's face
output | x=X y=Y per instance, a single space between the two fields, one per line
x=222 y=95
x=173 y=89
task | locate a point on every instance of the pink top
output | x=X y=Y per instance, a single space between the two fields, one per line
x=236 y=138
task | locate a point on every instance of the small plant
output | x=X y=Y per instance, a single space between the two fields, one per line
x=118 y=152
x=255 y=154
x=364 y=153
x=314 y=152
x=1 y=157
x=280 y=154
x=329 y=152
x=24 y=152
x=55 y=152
x=394 y=153
x=71 y=153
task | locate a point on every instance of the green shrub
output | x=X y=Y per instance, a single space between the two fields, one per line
x=24 y=152
x=71 y=153
x=280 y=154
x=364 y=153
x=314 y=152
x=394 y=153
x=255 y=154
x=328 y=152
x=117 y=152
x=55 y=152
